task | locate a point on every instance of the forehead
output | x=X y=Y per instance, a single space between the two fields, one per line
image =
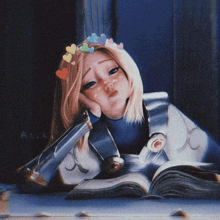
x=94 y=58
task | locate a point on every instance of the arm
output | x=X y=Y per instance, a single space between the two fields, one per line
x=42 y=168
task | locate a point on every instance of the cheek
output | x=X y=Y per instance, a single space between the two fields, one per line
x=121 y=76
x=118 y=79
x=122 y=81
x=94 y=94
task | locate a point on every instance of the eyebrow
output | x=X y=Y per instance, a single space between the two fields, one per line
x=86 y=72
x=102 y=61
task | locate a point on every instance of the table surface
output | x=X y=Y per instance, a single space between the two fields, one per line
x=57 y=205
x=25 y=206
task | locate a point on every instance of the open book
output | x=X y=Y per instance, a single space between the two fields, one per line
x=173 y=179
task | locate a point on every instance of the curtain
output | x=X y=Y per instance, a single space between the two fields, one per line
x=94 y=16
x=196 y=62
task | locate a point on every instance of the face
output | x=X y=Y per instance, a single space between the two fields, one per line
x=105 y=83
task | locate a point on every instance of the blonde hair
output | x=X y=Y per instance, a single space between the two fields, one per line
x=70 y=106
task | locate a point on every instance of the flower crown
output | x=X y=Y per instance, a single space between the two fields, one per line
x=71 y=50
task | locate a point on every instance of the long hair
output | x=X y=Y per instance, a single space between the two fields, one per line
x=70 y=107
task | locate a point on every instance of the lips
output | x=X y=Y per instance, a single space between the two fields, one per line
x=113 y=94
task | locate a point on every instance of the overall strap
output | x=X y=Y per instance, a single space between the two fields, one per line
x=102 y=142
x=157 y=108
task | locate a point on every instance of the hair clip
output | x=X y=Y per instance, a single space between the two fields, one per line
x=110 y=41
x=93 y=38
x=120 y=46
x=67 y=57
x=62 y=74
x=71 y=49
x=102 y=39
x=85 y=48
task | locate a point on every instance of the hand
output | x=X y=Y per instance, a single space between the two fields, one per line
x=90 y=105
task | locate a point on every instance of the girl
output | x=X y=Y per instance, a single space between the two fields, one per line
x=132 y=131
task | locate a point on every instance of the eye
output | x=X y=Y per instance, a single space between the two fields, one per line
x=89 y=85
x=113 y=71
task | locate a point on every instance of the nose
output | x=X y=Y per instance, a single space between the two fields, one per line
x=108 y=85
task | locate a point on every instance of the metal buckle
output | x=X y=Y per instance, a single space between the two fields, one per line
x=156 y=143
x=113 y=164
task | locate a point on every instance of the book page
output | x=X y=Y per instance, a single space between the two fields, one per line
x=97 y=184
x=174 y=163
